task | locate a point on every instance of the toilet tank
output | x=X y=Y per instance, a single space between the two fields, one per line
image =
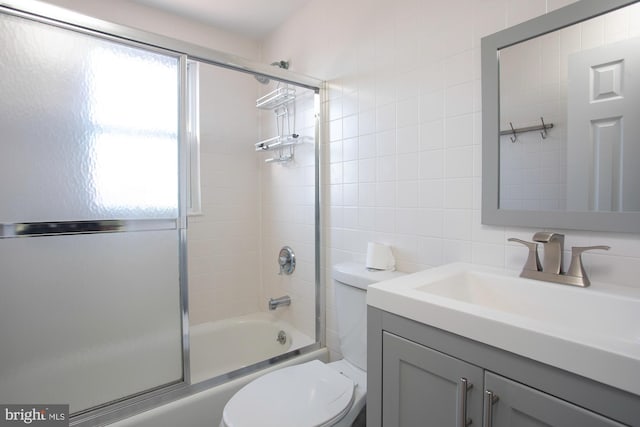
x=350 y=281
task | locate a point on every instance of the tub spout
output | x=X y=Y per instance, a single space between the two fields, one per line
x=277 y=302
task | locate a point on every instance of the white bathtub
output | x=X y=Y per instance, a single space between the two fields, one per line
x=244 y=345
x=230 y=344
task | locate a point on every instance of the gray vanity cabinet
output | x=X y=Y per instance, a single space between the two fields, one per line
x=520 y=406
x=423 y=384
x=415 y=372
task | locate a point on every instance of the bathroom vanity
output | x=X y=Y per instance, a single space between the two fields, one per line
x=442 y=354
x=462 y=345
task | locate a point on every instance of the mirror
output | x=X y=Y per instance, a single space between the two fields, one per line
x=561 y=122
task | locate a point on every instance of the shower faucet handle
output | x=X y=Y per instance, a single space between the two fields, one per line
x=286 y=261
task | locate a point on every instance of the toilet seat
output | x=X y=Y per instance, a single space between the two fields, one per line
x=311 y=394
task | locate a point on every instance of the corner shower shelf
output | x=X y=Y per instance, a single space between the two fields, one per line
x=282 y=95
x=278 y=101
x=278 y=141
x=282 y=159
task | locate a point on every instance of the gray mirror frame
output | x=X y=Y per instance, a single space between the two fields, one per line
x=491 y=214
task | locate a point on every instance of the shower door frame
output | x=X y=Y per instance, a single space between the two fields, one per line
x=185 y=51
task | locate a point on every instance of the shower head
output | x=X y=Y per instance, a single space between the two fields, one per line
x=282 y=64
x=264 y=79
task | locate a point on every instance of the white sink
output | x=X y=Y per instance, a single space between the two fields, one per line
x=594 y=332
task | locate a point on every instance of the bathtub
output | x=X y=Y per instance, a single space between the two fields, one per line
x=231 y=344
x=234 y=344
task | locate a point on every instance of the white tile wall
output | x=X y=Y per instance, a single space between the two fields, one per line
x=287 y=206
x=409 y=71
x=223 y=248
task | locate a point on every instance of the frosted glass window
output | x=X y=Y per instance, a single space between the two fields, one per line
x=146 y=81
x=143 y=180
x=90 y=127
x=135 y=144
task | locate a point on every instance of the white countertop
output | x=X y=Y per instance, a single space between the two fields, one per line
x=593 y=332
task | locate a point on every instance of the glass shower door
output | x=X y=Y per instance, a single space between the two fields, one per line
x=90 y=234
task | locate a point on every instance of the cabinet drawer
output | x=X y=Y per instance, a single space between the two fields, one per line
x=423 y=387
x=520 y=406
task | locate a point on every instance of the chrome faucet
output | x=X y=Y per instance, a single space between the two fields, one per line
x=551 y=268
x=277 y=302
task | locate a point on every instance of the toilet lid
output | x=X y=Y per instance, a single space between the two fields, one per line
x=311 y=394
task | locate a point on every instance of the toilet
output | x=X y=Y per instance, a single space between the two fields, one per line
x=316 y=394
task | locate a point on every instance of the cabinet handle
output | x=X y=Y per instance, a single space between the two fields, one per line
x=489 y=399
x=461 y=417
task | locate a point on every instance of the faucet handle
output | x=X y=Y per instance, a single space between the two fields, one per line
x=576 y=268
x=533 y=261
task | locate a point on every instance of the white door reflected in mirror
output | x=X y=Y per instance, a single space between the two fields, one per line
x=580 y=78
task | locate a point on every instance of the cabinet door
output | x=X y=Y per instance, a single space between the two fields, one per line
x=423 y=387
x=520 y=406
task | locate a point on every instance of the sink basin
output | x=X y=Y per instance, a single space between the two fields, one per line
x=584 y=311
x=547 y=322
